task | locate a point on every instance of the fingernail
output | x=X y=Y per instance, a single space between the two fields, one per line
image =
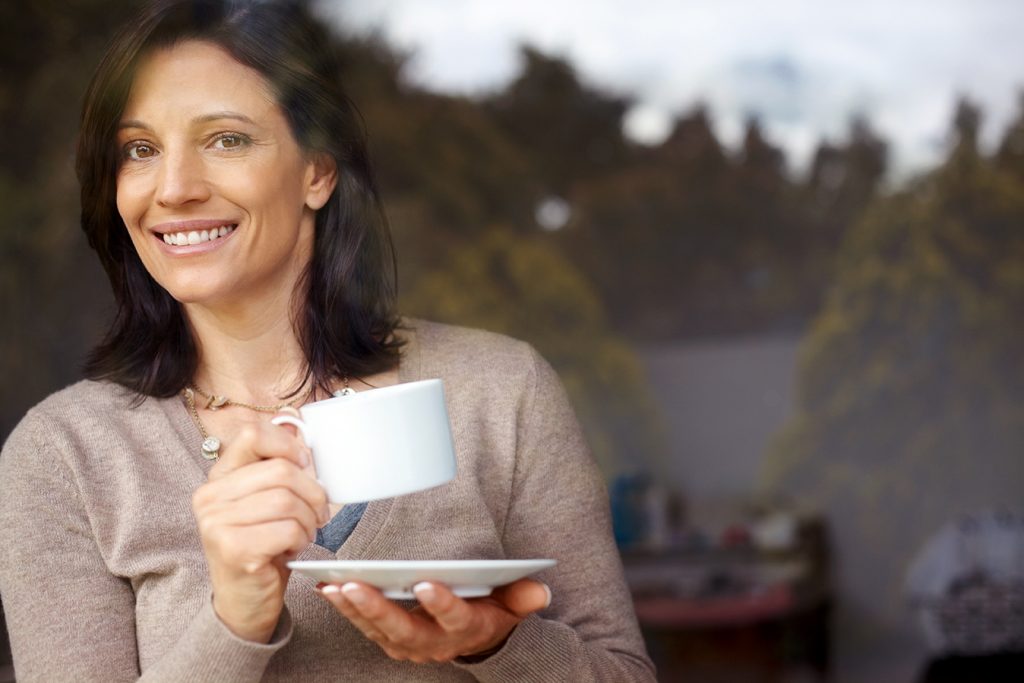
x=325 y=515
x=354 y=593
x=547 y=589
x=304 y=457
x=424 y=591
x=329 y=589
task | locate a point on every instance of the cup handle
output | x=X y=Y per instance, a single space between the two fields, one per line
x=293 y=421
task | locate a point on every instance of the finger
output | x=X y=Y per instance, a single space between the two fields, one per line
x=394 y=623
x=451 y=612
x=333 y=594
x=269 y=505
x=261 y=476
x=258 y=441
x=292 y=412
x=523 y=597
x=251 y=547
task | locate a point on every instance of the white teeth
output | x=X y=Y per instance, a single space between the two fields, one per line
x=181 y=239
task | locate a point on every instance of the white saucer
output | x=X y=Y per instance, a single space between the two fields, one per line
x=395 y=578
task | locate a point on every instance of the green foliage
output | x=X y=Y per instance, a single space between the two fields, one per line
x=911 y=383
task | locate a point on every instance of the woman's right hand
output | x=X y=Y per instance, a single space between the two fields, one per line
x=260 y=507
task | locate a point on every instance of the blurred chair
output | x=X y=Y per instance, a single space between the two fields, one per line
x=967 y=587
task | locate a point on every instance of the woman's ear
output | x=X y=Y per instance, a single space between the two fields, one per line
x=321 y=178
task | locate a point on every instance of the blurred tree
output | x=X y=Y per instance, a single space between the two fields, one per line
x=658 y=230
x=910 y=403
x=1010 y=155
x=626 y=235
x=571 y=131
x=767 y=237
x=692 y=149
x=685 y=240
x=448 y=171
x=641 y=232
x=53 y=298
x=966 y=124
x=842 y=182
x=765 y=160
x=445 y=167
x=518 y=286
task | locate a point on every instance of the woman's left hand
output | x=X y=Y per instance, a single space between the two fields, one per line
x=443 y=626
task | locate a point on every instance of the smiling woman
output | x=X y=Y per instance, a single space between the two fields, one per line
x=150 y=512
x=241 y=105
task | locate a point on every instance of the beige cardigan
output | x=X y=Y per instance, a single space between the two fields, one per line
x=103 y=578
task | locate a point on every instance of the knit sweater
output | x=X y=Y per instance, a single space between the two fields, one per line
x=103 y=577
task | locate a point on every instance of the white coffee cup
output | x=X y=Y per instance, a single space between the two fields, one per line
x=380 y=442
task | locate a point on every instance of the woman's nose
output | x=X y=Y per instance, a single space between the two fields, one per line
x=181 y=180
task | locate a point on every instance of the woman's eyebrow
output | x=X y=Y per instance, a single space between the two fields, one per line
x=133 y=123
x=215 y=116
x=205 y=118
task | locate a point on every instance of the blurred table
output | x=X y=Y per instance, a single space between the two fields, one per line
x=722 y=614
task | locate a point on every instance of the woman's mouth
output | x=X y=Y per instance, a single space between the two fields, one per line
x=182 y=239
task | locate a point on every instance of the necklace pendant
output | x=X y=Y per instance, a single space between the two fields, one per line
x=211 y=448
x=347 y=391
x=216 y=402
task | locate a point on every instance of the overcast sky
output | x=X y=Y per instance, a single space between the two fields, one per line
x=803 y=66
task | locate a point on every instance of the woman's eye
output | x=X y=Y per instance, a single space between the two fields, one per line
x=137 y=151
x=230 y=141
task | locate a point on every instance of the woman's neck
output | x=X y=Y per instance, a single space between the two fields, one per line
x=249 y=353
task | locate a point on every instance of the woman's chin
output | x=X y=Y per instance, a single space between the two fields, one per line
x=203 y=294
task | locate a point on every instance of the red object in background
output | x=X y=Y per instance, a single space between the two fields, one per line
x=735 y=535
x=732 y=610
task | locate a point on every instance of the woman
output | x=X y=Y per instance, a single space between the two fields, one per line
x=148 y=520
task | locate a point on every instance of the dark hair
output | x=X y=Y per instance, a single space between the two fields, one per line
x=346 y=318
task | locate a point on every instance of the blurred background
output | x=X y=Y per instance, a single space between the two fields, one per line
x=775 y=251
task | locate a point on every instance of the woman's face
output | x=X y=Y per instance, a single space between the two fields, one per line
x=216 y=194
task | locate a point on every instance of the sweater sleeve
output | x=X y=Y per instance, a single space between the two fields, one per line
x=68 y=616
x=559 y=509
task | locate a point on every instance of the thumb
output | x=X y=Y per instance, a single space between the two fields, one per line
x=523 y=597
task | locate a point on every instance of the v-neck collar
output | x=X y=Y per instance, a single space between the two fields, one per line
x=361 y=541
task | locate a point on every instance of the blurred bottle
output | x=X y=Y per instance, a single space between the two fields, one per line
x=645 y=516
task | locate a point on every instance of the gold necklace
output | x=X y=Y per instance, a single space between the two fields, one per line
x=211 y=444
x=215 y=402
x=210 y=448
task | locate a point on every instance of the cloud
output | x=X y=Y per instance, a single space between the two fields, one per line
x=804 y=66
